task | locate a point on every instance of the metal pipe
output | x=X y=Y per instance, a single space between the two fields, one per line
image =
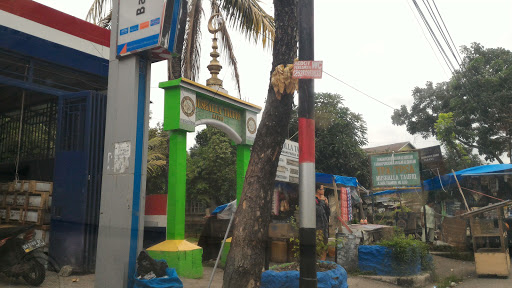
x=222 y=245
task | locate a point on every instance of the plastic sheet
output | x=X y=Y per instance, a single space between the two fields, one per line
x=171 y=281
x=290 y=279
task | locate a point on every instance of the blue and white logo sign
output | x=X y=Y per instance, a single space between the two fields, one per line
x=147 y=25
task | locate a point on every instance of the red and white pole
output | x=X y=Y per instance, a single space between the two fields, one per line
x=307 y=216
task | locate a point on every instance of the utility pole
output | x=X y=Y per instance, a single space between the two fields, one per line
x=307 y=216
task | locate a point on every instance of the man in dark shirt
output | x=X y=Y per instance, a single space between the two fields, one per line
x=322 y=212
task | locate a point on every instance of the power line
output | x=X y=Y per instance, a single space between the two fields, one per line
x=426 y=38
x=433 y=35
x=359 y=90
x=446 y=28
x=440 y=29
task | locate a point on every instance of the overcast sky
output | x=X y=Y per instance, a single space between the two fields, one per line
x=376 y=46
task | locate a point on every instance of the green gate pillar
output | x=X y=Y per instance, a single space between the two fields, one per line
x=185 y=257
x=243 y=154
x=177 y=180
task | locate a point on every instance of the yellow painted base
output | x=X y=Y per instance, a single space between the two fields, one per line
x=181 y=255
x=492 y=264
x=174 y=245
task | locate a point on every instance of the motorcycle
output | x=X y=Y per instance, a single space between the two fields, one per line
x=18 y=254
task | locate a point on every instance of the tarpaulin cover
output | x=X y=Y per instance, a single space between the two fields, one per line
x=219 y=209
x=327 y=179
x=290 y=279
x=171 y=281
x=435 y=183
x=379 y=260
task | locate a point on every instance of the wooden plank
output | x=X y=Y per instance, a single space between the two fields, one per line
x=32 y=186
x=492 y=264
x=21 y=215
x=453 y=231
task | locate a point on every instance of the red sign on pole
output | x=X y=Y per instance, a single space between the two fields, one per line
x=307 y=69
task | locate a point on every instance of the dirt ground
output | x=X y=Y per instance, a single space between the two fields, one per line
x=466 y=270
x=446 y=267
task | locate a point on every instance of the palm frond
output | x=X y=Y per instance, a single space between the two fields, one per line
x=250 y=19
x=106 y=22
x=227 y=45
x=192 y=49
x=99 y=11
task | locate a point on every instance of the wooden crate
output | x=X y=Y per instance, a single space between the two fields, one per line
x=25 y=200
x=484 y=226
x=43 y=232
x=21 y=215
x=453 y=231
x=3 y=214
x=31 y=186
x=4 y=186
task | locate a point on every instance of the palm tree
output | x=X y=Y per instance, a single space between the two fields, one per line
x=245 y=15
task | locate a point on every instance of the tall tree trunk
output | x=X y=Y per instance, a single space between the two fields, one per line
x=246 y=257
x=174 y=64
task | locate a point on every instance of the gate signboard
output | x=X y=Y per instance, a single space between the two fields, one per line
x=395 y=170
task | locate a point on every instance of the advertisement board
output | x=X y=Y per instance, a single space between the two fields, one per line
x=307 y=69
x=148 y=25
x=432 y=164
x=288 y=167
x=395 y=170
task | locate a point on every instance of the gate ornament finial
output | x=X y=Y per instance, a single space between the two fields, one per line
x=215 y=24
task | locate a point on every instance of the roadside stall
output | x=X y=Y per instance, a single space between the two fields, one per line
x=341 y=191
x=490 y=239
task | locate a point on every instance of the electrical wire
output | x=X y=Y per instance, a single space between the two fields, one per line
x=446 y=28
x=358 y=90
x=434 y=37
x=426 y=38
x=440 y=29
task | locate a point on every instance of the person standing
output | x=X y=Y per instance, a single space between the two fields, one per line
x=427 y=214
x=322 y=212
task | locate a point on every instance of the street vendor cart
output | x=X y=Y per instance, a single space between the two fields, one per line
x=490 y=239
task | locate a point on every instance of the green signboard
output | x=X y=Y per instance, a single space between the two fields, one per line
x=210 y=109
x=189 y=104
x=395 y=170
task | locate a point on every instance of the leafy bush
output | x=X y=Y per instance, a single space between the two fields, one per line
x=321 y=247
x=407 y=250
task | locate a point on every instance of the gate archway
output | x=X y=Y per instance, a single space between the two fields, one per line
x=187 y=105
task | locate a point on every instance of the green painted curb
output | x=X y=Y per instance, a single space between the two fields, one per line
x=224 y=254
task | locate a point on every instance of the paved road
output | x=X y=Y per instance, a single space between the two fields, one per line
x=444 y=268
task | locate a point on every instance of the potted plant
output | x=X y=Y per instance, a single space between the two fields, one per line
x=329 y=274
x=400 y=256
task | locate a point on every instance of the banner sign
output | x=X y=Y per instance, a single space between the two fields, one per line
x=395 y=170
x=148 y=25
x=288 y=167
